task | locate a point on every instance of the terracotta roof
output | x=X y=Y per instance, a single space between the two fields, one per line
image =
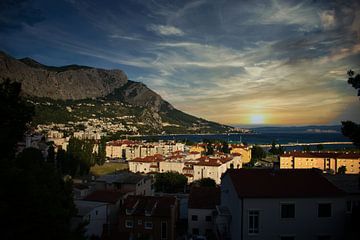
x=154 y=158
x=207 y=161
x=121 y=142
x=104 y=196
x=158 y=206
x=194 y=152
x=270 y=183
x=313 y=154
x=204 y=197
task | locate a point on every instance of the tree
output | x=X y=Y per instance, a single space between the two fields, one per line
x=349 y=128
x=35 y=201
x=342 y=170
x=319 y=147
x=14 y=117
x=225 y=147
x=257 y=153
x=205 y=182
x=101 y=154
x=170 y=182
x=276 y=150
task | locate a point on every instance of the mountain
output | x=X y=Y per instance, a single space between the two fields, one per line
x=300 y=129
x=73 y=93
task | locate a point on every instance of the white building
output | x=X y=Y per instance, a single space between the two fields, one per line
x=95 y=213
x=194 y=169
x=282 y=204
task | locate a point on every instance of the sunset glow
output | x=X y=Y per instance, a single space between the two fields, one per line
x=217 y=60
x=257 y=119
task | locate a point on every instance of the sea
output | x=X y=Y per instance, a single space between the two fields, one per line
x=267 y=136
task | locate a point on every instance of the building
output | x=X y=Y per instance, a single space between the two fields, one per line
x=201 y=210
x=350 y=184
x=242 y=149
x=135 y=184
x=199 y=148
x=94 y=213
x=326 y=161
x=148 y=217
x=126 y=149
x=183 y=163
x=281 y=204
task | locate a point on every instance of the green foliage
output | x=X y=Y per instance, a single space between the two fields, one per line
x=101 y=154
x=354 y=80
x=78 y=158
x=205 y=182
x=15 y=114
x=35 y=201
x=342 y=170
x=350 y=129
x=257 y=153
x=225 y=147
x=51 y=154
x=319 y=147
x=170 y=182
x=276 y=150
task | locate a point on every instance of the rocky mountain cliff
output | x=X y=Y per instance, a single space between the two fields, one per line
x=68 y=82
x=48 y=87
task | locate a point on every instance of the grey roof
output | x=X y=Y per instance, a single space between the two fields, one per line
x=84 y=207
x=349 y=183
x=123 y=177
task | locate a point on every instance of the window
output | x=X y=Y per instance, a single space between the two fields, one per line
x=163 y=230
x=324 y=210
x=194 y=217
x=287 y=210
x=208 y=218
x=195 y=231
x=148 y=225
x=253 y=222
x=96 y=212
x=139 y=222
x=129 y=224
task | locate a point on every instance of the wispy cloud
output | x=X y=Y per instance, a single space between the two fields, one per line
x=165 y=30
x=222 y=60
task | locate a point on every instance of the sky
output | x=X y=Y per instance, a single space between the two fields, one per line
x=235 y=62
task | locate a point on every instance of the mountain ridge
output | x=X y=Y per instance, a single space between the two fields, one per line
x=77 y=83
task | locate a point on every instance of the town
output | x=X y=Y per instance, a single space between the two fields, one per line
x=212 y=190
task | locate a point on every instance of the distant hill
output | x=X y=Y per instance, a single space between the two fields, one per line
x=300 y=129
x=77 y=93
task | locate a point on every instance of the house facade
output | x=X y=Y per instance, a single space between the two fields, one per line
x=201 y=210
x=282 y=204
x=326 y=161
x=148 y=217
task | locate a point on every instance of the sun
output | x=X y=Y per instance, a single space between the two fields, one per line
x=257 y=119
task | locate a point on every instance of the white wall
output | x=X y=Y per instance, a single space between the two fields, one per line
x=97 y=218
x=305 y=225
x=230 y=200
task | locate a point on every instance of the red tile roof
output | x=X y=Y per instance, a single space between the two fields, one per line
x=204 y=197
x=322 y=154
x=154 y=158
x=269 y=183
x=194 y=152
x=159 y=206
x=104 y=196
